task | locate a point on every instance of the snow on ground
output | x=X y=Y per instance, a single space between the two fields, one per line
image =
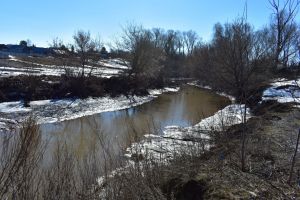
x=190 y=140
x=176 y=140
x=283 y=91
x=58 y=71
x=114 y=63
x=49 y=111
x=12 y=107
x=111 y=67
x=187 y=139
x=7 y=123
x=195 y=83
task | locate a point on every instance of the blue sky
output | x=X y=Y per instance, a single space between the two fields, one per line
x=42 y=20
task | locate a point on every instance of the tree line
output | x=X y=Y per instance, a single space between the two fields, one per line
x=237 y=56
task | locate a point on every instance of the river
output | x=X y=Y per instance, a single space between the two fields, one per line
x=117 y=129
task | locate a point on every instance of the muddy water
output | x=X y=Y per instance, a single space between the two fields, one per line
x=118 y=128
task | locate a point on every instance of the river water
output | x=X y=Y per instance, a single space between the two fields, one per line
x=117 y=129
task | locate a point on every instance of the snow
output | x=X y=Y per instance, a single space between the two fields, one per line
x=57 y=71
x=7 y=123
x=115 y=63
x=176 y=140
x=39 y=103
x=184 y=139
x=55 y=110
x=194 y=83
x=283 y=91
x=110 y=67
x=13 y=107
x=187 y=139
x=155 y=92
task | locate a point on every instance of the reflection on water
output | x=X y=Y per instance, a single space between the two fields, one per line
x=184 y=108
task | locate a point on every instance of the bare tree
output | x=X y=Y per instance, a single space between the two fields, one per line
x=84 y=47
x=57 y=43
x=190 y=40
x=285 y=30
x=62 y=53
x=171 y=43
x=158 y=37
x=237 y=57
x=143 y=54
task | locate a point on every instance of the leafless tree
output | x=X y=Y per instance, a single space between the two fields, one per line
x=179 y=43
x=144 y=57
x=237 y=56
x=57 y=43
x=63 y=54
x=158 y=37
x=285 y=31
x=84 y=47
x=170 y=43
x=190 y=40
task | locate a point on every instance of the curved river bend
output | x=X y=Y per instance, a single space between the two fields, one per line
x=117 y=128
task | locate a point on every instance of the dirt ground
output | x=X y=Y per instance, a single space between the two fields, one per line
x=271 y=141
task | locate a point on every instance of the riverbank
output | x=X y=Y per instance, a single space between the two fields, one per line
x=50 y=66
x=195 y=83
x=56 y=110
x=192 y=167
x=176 y=140
x=283 y=91
x=271 y=139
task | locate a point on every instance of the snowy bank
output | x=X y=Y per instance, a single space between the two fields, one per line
x=184 y=139
x=195 y=83
x=50 y=111
x=283 y=91
x=176 y=140
x=108 y=68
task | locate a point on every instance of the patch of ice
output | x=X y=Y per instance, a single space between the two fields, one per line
x=194 y=83
x=177 y=140
x=283 y=91
x=50 y=111
x=39 y=103
x=13 y=107
x=160 y=91
x=114 y=63
x=108 y=70
x=183 y=139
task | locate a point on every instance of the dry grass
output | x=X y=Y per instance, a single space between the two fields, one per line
x=191 y=174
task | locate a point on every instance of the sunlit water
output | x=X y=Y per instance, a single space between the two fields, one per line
x=118 y=128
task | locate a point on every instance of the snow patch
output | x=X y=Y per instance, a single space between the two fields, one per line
x=13 y=107
x=110 y=67
x=283 y=91
x=184 y=139
x=195 y=83
x=55 y=110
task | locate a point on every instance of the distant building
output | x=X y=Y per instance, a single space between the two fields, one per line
x=22 y=50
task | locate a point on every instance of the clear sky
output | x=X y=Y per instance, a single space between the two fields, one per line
x=42 y=20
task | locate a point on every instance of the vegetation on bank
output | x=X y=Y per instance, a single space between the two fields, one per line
x=251 y=160
x=193 y=173
x=238 y=59
x=30 y=88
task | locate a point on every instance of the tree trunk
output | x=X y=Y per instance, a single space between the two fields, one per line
x=294 y=159
x=243 y=150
